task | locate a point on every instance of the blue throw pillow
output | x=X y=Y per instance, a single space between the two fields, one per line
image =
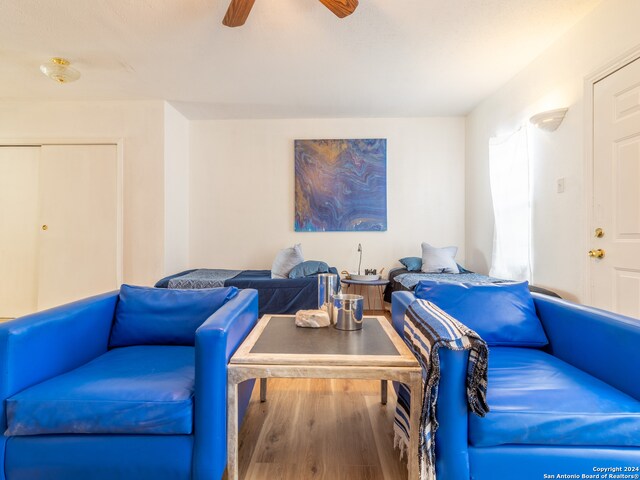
x=162 y=316
x=462 y=269
x=308 y=268
x=413 y=264
x=502 y=314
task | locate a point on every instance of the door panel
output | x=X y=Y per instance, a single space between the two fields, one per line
x=627 y=175
x=18 y=230
x=78 y=204
x=627 y=290
x=615 y=278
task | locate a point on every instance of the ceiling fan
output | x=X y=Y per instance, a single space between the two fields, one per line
x=238 y=10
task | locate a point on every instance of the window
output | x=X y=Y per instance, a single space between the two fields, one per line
x=509 y=175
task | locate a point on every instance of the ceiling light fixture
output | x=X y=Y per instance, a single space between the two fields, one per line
x=59 y=70
x=550 y=120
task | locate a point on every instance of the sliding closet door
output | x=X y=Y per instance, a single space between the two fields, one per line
x=18 y=230
x=78 y=222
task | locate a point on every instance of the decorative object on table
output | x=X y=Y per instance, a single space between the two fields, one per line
x=312 y=318
x=285 y=260
x=347 y=312
x=360 y=260
x=341 y=185
x=327 y=285
x=369 y=277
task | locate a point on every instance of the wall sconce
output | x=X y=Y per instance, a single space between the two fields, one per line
x=550 y=120
x=59 y=70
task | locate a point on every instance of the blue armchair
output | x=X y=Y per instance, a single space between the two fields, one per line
x=104 y=388
x=571 y=407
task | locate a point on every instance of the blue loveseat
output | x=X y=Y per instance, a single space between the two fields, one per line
x=570 y=407
x=125 y=385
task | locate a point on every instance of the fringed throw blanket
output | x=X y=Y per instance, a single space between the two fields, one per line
x=426 y=330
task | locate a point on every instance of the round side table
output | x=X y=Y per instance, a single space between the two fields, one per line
x=357 y=287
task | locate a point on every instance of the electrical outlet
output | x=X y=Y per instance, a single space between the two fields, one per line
x=560 y=185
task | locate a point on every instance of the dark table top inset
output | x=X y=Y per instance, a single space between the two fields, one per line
x=282 y=336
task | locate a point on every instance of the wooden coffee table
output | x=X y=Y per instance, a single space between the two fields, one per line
x=276 y=348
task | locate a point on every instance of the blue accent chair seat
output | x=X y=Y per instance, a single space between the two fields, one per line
x=569 y=407
x=125 y=385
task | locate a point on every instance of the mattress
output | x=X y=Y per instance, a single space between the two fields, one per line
x=284 y=296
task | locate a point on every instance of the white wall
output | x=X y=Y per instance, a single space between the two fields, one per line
x=140 y=127
x=176 y=190
x=555 y=79
x=242 y=191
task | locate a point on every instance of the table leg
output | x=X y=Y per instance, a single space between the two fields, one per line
x=366 y=295
x=383 y=392
x=414 y=420
x=381 y=296
x=232 y=429
x=263 y=390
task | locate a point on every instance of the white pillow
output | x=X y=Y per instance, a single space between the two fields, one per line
x=439 y=260
x=285 y=260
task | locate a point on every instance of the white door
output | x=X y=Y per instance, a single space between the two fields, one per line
x=18 y=230
x=78 y=222
x=615 y=277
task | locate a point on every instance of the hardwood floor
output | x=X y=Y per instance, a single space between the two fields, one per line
x=320 y=429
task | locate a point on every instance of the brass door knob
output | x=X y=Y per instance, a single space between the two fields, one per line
x=598 y=253
x=45 y=227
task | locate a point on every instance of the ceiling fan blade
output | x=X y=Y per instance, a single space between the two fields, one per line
x=341 y=8
x=237 y=12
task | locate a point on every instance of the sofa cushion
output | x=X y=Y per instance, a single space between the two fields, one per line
x=439 y=260
x=412 y=264
x=536 y=398
x=132 y=390
x=502 y=314
x=285 y=260
x=161 y=316
x=308 y=268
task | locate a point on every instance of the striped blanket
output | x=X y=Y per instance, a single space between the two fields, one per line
x=426 y=330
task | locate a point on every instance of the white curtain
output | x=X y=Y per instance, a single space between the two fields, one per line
x=509 y=171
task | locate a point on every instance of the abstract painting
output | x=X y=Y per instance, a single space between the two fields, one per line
x=341 y=185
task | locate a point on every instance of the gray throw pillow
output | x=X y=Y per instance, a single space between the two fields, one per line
x=285 y=260
x=439 y=260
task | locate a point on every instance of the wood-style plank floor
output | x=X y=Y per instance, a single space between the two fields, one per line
x=312 y=429
x=320 y=429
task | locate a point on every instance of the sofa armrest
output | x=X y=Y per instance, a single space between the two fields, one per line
x=601 y=343
x=400 y=301
x=216 y=341
x=452 y=456
x=40 y=346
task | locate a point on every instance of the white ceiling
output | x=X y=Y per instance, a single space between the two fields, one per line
x=293 y=58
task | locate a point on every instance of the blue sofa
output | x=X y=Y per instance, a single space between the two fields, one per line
x=105 y=388
x=571 y=407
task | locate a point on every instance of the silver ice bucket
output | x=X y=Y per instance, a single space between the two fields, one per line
x=347 y=312
x=327 y=283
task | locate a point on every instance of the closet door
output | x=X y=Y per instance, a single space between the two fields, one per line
x=615 y=234
x=18 y=230
x=78 y=222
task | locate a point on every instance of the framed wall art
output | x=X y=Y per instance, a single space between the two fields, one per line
x=341 y=185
